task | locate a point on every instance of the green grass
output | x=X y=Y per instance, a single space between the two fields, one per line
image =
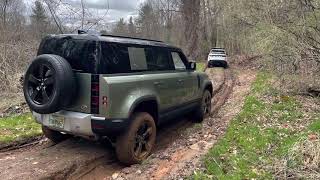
x=315 y=126
x=200 y=67
x=257 y=136
x=18 y=128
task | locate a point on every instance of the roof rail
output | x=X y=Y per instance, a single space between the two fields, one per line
x=108 y=35
x=82 y=32
x=218 y=48
x=89 y=32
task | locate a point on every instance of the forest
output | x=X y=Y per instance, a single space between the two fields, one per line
x=265 y=116
x=281 y=36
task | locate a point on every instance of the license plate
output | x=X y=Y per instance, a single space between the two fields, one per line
x=56 y=121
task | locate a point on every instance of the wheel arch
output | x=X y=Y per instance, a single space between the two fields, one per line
x=147 y=104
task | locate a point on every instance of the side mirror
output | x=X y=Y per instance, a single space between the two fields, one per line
x=193 y=66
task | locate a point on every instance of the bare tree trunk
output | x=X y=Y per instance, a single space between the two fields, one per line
x=5 y=5
x=191 y=15
x=4 y=29
x=83 y=14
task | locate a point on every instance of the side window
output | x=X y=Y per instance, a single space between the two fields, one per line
x=115 y=59
x=178 y=62
x=158 y=59
x=138 y=59
x=151 y=61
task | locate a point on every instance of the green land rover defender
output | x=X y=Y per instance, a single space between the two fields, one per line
x=98 y=86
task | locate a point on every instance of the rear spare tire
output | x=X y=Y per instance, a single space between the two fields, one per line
x=49 y=84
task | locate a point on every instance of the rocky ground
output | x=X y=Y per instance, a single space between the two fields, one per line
x=180 y=145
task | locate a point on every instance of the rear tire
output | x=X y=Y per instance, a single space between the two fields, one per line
x=54 y=136
x=204 y=109
x=137 y=143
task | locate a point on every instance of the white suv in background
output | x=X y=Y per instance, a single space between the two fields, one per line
x=217 y=58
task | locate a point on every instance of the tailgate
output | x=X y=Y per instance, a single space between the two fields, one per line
x=82 y=102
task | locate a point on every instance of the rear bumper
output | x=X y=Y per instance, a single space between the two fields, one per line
x=82 y=124
x=110 y=127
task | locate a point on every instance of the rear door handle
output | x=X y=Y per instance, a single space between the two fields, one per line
x=180 y=81
x=157 y=83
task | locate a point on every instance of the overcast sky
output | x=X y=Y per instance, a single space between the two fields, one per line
x=117 y=8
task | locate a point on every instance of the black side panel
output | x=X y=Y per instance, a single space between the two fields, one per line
x=178 y=111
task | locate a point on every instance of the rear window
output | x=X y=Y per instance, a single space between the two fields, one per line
x=81 y=54
x=218 y=52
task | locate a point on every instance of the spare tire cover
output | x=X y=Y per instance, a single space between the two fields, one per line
x=49 y=84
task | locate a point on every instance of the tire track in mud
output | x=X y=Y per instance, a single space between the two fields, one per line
x=80 y=159
x=22 y=144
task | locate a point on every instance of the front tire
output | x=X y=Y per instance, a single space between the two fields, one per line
x=204 y=110
x=137 y=143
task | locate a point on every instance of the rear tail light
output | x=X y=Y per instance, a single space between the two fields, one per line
x=95 y=87
x=95 y=100
x=95 y=97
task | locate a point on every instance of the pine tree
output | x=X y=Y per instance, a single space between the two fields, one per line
x=39 y=19
x=121 y=28
x=146 y=20
x=38 y=13
x=131 y=27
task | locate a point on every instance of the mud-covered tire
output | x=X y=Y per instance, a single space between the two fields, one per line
x=53 y=135
x=128 y=144
x=49 y=84
x=204 y=109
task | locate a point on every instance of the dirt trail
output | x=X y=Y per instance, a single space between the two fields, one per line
x=183 y=156
x=179 y=145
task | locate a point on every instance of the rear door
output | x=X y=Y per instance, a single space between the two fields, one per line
x=187 y=80
x=161 y=76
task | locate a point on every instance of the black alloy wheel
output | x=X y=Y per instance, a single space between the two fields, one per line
x=138 y=142
x=41 y=84
x=143 y=141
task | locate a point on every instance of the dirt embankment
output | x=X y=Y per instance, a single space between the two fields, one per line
x=180 y=145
